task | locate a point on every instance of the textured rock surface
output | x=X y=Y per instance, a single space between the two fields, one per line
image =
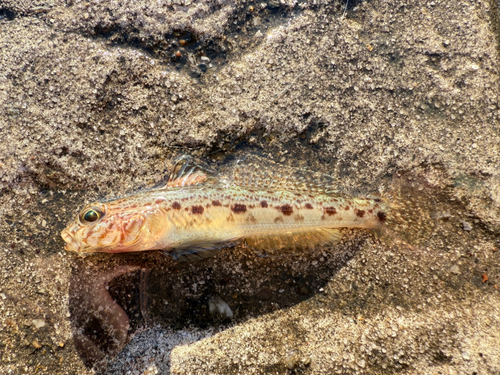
x=97 y=98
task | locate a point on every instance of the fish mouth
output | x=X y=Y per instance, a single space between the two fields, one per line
x=71 y=243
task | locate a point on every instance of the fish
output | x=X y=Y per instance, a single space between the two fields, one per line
x=198 y=212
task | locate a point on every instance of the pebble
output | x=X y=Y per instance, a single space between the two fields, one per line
x=292 y=361
x=36 y=344
x=218 y=306
x=455 y=269
x=465 y=355
x=361 y=363
x=38 y=323
x=258 y=34
x=466 y=226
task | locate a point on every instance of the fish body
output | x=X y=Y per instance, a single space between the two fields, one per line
x=193 y=216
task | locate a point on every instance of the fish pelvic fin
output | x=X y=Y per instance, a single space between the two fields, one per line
x=199 y=251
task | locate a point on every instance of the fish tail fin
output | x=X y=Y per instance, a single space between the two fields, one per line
x=411 y=213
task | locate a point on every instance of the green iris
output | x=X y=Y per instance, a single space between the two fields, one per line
x=91 y=216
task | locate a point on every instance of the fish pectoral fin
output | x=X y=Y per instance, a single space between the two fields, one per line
x=294 y=240
x=194 y=252
x=186 y=172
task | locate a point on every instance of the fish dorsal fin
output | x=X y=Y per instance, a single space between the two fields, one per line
x=296 y=240
x=257 y=172
x=187 y=172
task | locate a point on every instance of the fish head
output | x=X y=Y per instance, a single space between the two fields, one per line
x=102 y=227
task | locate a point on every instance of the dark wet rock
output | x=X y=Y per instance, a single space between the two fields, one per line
x=202 y=67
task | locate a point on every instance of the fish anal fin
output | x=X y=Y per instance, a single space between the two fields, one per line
x=294 y=240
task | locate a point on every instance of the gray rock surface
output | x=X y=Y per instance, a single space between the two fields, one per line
x=97 y=97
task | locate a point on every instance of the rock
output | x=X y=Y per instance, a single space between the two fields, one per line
x=36 y=344
x=218 y=306
x=466 y=226
x=361 y=363
x=38 y=323
x=202 y=67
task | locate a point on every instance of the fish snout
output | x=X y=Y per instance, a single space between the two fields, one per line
x=71 y=243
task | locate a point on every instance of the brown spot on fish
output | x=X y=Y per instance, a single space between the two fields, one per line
x=335 y=200
x=160 y=200
x=176 y=206
x=216 y=203
x=278 y=219
x=197 y=210
x=251 y=218
x=263 y=204
x=359 y=213
x=183 y=199
x=230 y=218
x=330 y=211
x=298 y=218
x=382 y=216
x=251 y=206
x=186 y=209
x=239 y=208
x=311 y=196
x=286 y=209
x=376 y=206
x=347 y=208
x=370 y=211
x=309 y=206
x=377 y=200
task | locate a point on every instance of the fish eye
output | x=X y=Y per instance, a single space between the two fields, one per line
x=90 y=215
